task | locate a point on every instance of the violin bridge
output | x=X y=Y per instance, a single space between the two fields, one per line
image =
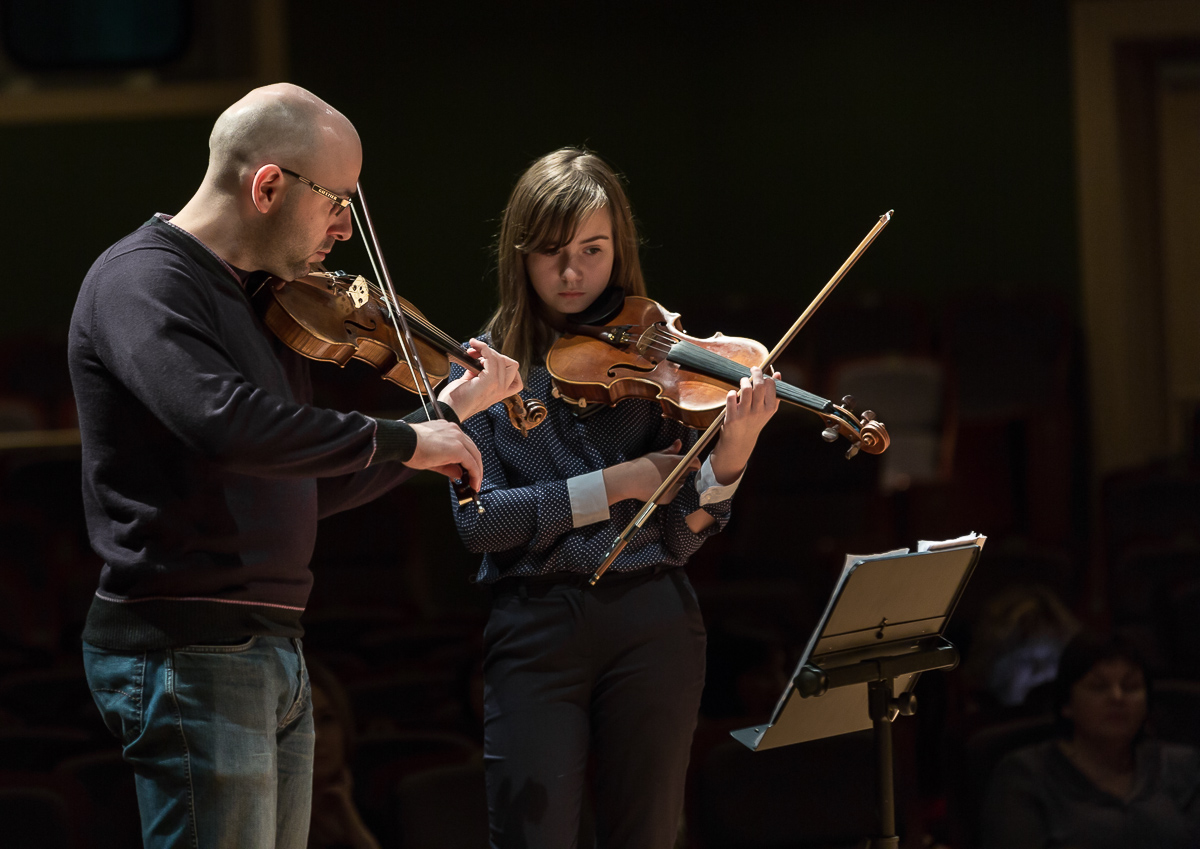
x=358 y=292
x=644 y=345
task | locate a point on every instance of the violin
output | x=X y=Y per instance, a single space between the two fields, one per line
x=335 y=317
x=641 y=351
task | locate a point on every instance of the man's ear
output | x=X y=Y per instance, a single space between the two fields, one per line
x=265 y=187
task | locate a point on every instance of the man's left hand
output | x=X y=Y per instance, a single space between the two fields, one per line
x=474 y=392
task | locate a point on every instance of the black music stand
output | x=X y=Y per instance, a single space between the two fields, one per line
x=882 y=628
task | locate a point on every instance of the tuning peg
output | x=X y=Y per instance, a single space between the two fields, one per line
x=848 y=402
x=830 y=434
x=853 y=450
x=868 y=415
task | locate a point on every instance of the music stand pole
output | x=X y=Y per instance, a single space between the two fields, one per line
x=880 y=702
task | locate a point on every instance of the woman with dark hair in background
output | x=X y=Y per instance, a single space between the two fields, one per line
x=1102 y=783
x=613 y=671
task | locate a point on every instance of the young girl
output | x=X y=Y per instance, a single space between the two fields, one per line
x=614 y=670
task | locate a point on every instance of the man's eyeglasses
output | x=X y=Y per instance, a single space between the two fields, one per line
x=337 y=200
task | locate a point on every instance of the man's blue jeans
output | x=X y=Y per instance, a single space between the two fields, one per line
x=220 y=738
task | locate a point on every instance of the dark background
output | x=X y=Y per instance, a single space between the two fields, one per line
x=760 y=143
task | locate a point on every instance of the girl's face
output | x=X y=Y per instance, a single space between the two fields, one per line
x=569 y=277
x=1109 y=703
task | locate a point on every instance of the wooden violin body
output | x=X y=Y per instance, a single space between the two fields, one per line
x=586 y=371
x=336 y=317
x=316 y=316
x=642 y=352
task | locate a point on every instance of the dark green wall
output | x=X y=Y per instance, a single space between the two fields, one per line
x=761 y=143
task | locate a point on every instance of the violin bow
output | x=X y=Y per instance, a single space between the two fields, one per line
x=379 y=266
x=672 y=480
x=407 y=346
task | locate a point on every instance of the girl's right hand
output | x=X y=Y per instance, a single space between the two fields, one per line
x=640 y=478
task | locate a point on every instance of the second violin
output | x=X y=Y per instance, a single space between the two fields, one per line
x=642 y=352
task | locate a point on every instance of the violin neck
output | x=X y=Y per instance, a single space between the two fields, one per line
x=699 y=359
x=460 y=356
x=435 y=338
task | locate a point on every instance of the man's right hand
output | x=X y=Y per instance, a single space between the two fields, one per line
x=442 y=447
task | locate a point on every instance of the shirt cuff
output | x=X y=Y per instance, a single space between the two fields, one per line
x=710 y=491
x=394 y=440
x=589 y=499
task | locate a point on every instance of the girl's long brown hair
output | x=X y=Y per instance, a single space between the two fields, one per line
x=551 y=198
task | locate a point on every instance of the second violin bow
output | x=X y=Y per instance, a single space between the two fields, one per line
x=644 y=514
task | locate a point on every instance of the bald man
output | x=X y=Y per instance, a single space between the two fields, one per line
x=206 y=469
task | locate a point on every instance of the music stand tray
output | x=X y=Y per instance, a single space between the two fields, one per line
x=883 y=627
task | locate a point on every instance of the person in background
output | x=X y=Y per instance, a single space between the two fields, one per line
x=1015 y=646
x=1104 y=783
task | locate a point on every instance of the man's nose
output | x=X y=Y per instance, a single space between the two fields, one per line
x=342 y=227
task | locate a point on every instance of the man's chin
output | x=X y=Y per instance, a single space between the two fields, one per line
x=301 y=270
x=292 y=271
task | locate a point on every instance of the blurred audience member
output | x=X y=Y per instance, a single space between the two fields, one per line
x=336 y=823
x=1102 y=783
x=1016 y=643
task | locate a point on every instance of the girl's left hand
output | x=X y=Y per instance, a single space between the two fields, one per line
x=747 y=411
x=473 y=393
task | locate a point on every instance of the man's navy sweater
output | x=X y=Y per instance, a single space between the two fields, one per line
x=205 y=469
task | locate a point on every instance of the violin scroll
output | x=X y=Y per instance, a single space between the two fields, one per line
x=866 y=434
x=525 y=416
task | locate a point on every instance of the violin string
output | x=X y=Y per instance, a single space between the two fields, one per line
x=660 y=340
x=431 y=332
x=420 y=379
x=723 y=368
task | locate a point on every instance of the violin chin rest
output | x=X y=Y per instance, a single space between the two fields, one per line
x=607 y=304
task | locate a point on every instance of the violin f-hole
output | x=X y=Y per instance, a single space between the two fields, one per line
x=612 y=371
x=368 y=328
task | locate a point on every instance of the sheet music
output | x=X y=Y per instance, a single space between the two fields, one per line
x=852 y=559
x=922 y=591
x=937 y=545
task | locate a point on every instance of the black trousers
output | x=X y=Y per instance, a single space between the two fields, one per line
x=616 y=669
